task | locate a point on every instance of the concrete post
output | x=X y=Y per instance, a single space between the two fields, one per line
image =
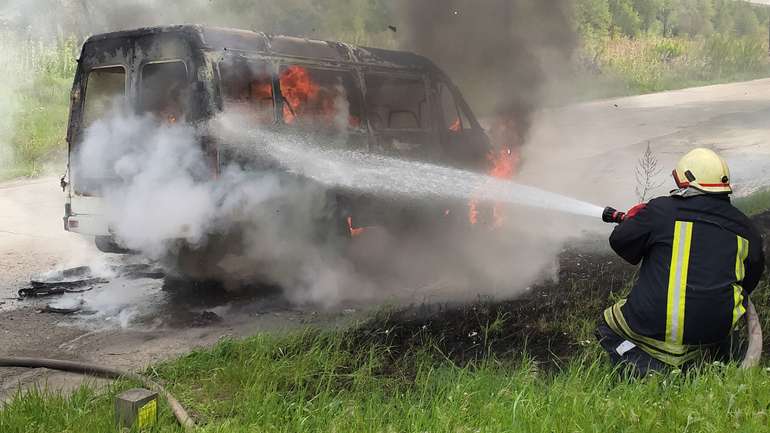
x=136 y=408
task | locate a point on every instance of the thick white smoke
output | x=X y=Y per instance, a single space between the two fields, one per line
x=244 y=226
x=147 y=170
x=251 y=225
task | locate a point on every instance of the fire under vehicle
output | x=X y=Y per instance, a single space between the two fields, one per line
x=398 y=104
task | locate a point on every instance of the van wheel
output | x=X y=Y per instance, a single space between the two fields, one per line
x=107 y=244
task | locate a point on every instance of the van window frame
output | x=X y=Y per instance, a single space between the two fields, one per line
x=273 y=68
x=428 y=127
x=354 y=75
x=84 y=88
x=443 y=91
x=140 y=78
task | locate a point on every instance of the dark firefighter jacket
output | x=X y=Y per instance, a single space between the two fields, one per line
x=700 y=257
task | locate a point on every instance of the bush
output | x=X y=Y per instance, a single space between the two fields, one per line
x=668 y=50
x=652 y=64
x=36 y=98
x=40 y=124
x=725 y=55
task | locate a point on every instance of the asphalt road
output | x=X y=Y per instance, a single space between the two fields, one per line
x=589 y=151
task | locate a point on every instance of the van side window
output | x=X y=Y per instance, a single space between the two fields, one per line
x=247 y=90
x=104 y=87
x=454 y=118
x=319 y=98
x=163 y=90
x=396 y=102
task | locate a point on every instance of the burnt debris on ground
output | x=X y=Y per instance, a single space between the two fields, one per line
x=83 y=278
x=543 y=324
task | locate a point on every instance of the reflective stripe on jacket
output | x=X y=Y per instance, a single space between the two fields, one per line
x=700 y=257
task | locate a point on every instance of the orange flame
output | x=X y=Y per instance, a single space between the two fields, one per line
x=297 y=88
x=354 y=231
x=456 y=126
x=473 y=212
x=503 y=165
x=305 y=97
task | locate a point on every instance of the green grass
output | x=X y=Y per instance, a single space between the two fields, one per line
x=41 y=124
x=84 y=410
x=291 y=384
x=318 y=381
x=36 y=99
x=622 y=66
x=755 y=203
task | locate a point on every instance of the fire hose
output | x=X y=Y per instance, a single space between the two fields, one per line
x=754 y=350
x=179 y=411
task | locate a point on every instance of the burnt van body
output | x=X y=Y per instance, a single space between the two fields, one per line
x=396 y=103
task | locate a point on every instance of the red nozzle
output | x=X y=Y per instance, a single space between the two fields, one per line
x=611 y=215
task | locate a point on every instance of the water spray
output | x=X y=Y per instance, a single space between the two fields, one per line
x=379 y=174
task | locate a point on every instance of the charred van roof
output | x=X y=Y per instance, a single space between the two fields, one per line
x=215 y=38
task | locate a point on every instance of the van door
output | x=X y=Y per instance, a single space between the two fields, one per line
x=398 y=113
x=465 y=143
x=97 y=93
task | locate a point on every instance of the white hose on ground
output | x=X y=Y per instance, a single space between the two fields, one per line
x=97 y=370
x=754 y=351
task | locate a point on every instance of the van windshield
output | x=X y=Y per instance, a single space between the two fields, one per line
x=396 y=102
x=247 y=90
x=319 y=98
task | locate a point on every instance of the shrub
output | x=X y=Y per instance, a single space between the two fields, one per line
x=36 y=98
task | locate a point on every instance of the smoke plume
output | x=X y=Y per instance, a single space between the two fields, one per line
x=504 y=54
x=261 y=225
x=257 y=225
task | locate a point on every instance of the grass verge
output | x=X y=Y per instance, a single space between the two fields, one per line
x=397 y=375
x=307 y=383
x=755 y=203
x=622 y=66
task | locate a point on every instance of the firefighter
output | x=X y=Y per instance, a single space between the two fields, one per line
x=701 y=257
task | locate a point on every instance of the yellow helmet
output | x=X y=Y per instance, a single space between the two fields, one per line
x=703 y=170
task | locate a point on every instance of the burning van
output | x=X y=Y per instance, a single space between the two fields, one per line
x=396 y=103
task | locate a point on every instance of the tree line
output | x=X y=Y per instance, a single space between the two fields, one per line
x=669 y=18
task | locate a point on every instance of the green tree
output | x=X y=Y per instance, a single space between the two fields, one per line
x=693 y=17
x=666 y=15
x=746 y=21
x=625 y=19
x=649 y=12
x=593 y=17
x=724 y=20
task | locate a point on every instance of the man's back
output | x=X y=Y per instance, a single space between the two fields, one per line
x=701 y=256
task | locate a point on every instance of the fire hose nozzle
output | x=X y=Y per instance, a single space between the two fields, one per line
x=611 y=215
